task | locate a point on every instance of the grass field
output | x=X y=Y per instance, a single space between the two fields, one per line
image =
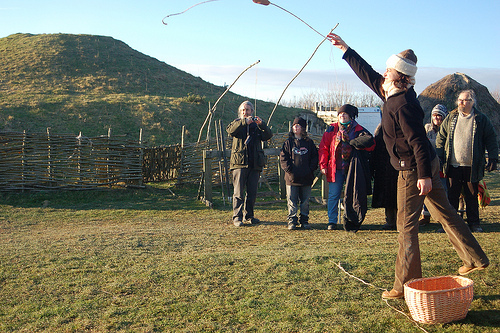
x=151 y=261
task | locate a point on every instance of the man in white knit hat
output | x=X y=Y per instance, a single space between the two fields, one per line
x=412 y=155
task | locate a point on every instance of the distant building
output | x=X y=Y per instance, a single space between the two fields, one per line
x=368 y=117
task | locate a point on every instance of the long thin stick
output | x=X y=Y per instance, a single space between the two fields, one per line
x=220 y=97
x=301 y=20
x=289 y=83
x=267 y=3
x=163 y=20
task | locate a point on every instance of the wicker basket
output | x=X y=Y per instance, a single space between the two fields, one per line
x=439 y=300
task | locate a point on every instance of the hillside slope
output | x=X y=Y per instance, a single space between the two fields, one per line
x=87 y=83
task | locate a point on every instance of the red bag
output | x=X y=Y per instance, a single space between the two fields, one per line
x=483 y=195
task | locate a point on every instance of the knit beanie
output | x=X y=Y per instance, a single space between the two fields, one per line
x=440 y=109
x=404 y=62
x=351 y=110
x=301 y=121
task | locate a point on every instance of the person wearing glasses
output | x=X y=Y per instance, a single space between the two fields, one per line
x=463 y=138
x=247 y=161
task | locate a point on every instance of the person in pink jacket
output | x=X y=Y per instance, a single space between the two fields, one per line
x=335 y=152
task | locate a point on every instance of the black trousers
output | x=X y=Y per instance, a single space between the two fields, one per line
x=459 y=180
x=243 y=204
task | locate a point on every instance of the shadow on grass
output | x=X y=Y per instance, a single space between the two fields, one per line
x=149 y=198
x=434 y=227
x=484 y=318
x=157 y=197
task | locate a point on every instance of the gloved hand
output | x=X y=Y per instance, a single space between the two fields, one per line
x=492 y=164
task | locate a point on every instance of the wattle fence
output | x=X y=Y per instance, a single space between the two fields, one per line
x=43 y=161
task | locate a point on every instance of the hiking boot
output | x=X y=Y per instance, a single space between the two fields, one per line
x=464 y=270
x=393 y=294
x=424 y=220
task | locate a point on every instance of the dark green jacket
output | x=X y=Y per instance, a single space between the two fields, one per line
x=242 y=154
x=484 y=137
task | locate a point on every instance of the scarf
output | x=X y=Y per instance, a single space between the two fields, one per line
x=343 y=146
x=391 y=89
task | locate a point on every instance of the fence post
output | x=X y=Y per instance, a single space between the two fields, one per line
x=281 y=177
x=23 y=161
x=141 y=157
x=207 y=174
x=108 y=178
x=179 y=174
x=49 y=166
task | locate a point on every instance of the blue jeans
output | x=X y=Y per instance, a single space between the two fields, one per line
x=294 y=194
x=334 y=192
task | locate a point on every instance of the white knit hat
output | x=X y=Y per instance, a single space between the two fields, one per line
x=404 y=62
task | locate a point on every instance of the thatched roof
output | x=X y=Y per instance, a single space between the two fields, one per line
x=446 y=90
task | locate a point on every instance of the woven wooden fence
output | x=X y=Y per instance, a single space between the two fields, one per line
x=37 y=161
x=45 y=161
x=185 y=164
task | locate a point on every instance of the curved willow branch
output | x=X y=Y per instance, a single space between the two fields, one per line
x=212 y=109
x=289 y=83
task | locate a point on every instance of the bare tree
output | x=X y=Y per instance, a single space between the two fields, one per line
x=335 y=96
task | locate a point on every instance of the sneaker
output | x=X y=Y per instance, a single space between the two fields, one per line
x=237 y=223
x=305 y=225
x=292 y=226
x=464 y=270
x=393 y=294
x=475 y=228
x=332 y=226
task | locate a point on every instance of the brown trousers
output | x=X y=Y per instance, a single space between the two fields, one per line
x=408 y=265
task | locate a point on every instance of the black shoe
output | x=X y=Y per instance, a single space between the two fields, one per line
x=292 y=226
x=305 y=225
x=388 y=226
x=332 y=226
x=425 y=220
x=252 y=220
x=475 y=228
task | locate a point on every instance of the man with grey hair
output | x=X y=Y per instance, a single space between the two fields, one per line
x=247 y=161
x=463 y=138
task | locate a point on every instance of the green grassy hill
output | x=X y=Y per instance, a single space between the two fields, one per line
x=87 y=83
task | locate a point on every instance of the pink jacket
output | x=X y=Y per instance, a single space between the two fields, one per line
x=360 y=138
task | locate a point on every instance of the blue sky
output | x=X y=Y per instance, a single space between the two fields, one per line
x=218 y=39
